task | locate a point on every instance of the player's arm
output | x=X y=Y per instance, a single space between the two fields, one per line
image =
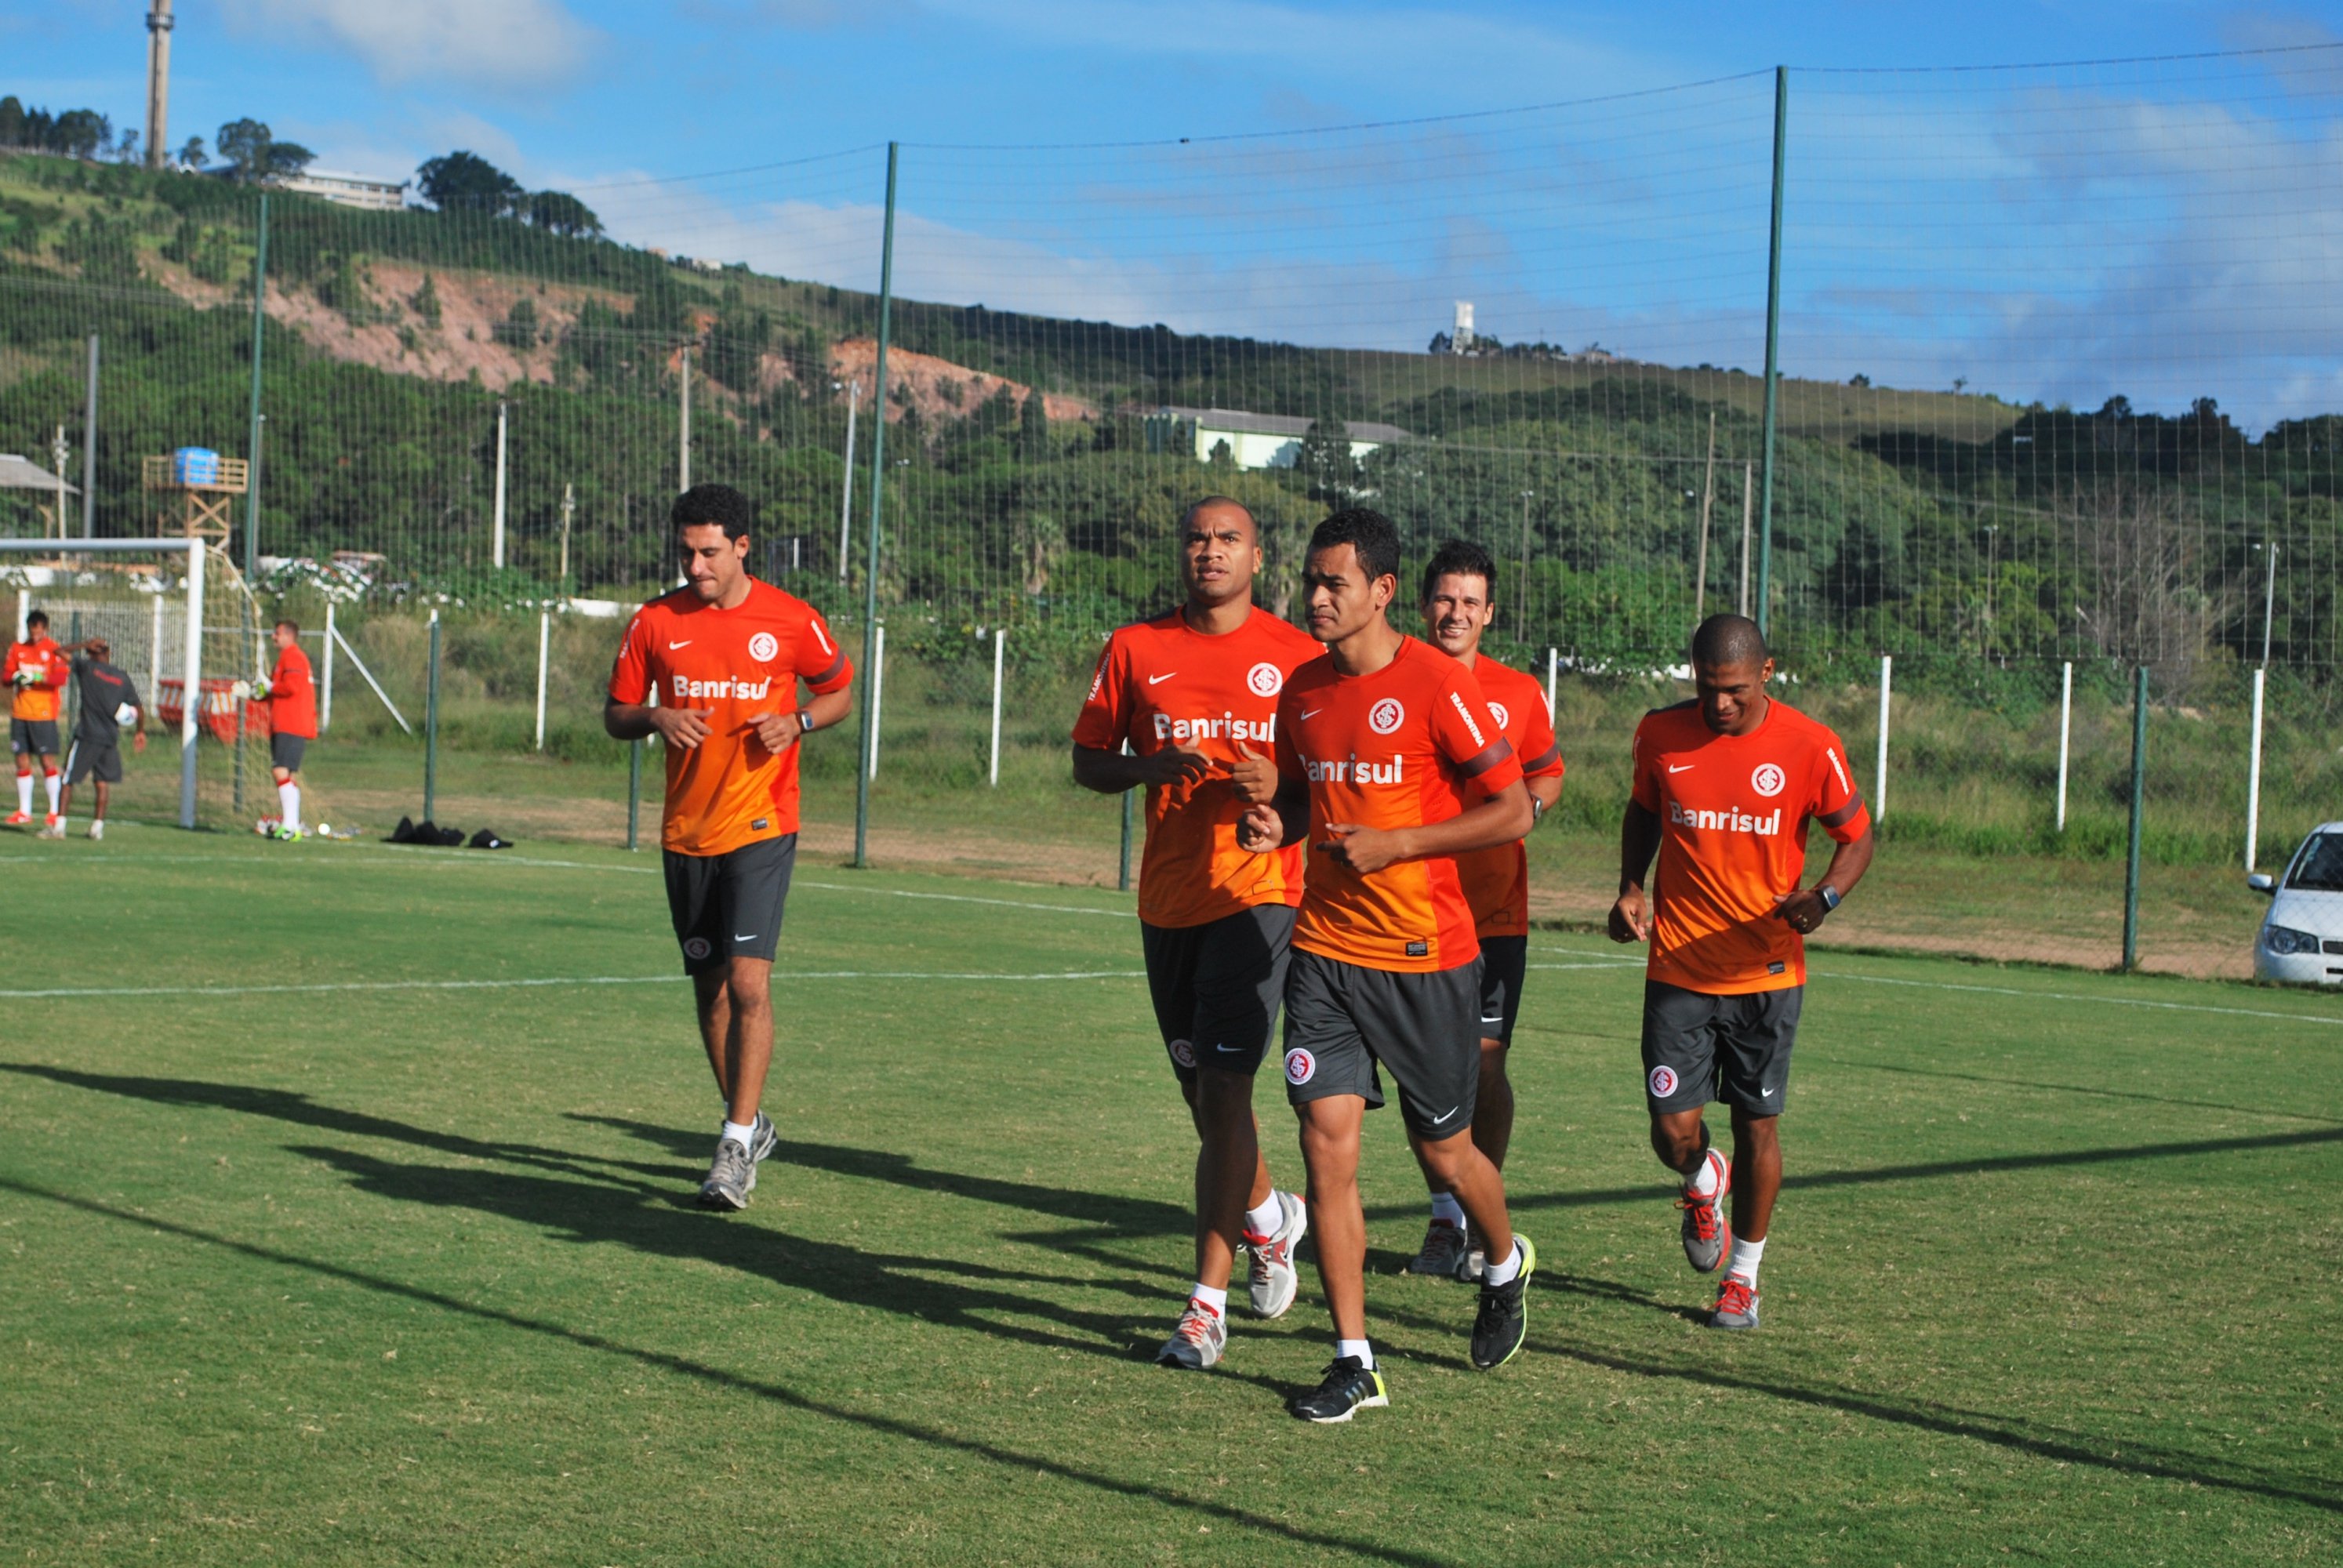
x=1499 y=819
x=777 y=732
x=1113 y=772
x=1544 y=790
x=1639 y=840
x=1277 y=822
x=638 y=721
x=1809 y=906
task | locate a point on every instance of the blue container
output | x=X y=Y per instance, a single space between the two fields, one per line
x=194 y=465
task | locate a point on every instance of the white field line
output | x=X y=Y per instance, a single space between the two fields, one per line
x=555 y=981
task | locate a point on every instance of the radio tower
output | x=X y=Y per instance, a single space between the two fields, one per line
x=158 y=83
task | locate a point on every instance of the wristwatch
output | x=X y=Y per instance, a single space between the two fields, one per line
x=1828 y=895
x=805 y=721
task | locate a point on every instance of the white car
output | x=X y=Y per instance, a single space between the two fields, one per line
x=2301 y=939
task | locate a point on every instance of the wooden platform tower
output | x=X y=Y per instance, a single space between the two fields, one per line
x=197 y=510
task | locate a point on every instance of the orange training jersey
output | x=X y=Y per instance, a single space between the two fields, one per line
x=736 y=665
x=1497 y=879
x=1396 y=749
x=1163 y=683
x=38 y=700
x=1733 y=812
x=292 y=695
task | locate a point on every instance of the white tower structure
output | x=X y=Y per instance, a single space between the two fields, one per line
x=158 y=83
x=1460 y=338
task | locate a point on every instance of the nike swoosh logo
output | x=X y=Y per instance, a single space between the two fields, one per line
x=1765 y=1093
x=1452 y=1110
x=749 y=938
x=1159 y=679
x=1311 y=714
x=1231 y=1049
x=1686 y=769
x=673 y=646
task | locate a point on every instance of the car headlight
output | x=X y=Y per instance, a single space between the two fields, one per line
x=2285 y=941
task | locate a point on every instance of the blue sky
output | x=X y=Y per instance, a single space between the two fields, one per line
x=2165 y=230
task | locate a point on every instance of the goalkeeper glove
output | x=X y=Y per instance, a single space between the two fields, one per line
x=260 y=686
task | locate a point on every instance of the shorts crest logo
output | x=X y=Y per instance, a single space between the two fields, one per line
x=1182 y=1052
x=1300 y=1067
x=1504 y=719
x=1663 y=1081
x=763 y=646
x=1386 y=716
x=1265 y=679
x=695 y=948
x=1768 y=780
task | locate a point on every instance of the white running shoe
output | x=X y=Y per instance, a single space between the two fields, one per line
x=1274 y=1280
x=98 y=829
x=1197 y=1343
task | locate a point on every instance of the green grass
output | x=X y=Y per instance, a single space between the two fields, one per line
x=406 y=1273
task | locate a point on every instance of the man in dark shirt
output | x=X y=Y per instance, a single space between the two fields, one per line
x=100 y=694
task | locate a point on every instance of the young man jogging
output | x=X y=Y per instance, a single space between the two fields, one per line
x=292 y=696
x=1458 y=605
x=723 y=656
x=1391 y=764
x=34 y=671
x=101 y=693
x=1194 y=693
x=1722 y=789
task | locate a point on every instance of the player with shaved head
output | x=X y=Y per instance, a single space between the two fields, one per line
x=1724 y=788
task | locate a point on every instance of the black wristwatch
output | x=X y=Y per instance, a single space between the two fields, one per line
x=1828 y=895
x=805 y=721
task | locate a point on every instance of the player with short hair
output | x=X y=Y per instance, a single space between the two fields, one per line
x=102 y=695
x=1392 y=764
x=34 y=672
x=1458 y=605
x=712 y=669
x=1724 y=788
x=1194 y=693
x=291 y=693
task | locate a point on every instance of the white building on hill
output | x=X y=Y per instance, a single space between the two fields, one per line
x=1269 y=440
x=346 y=189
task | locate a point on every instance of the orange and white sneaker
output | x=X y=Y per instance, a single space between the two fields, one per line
x=1736 y=1304
x=1198 y=1341
x=1705 y=1233
x=17 y=819
x=1273 y=1279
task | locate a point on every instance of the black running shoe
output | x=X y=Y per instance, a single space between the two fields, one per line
x=1348 y=1388
x=1502 y=1321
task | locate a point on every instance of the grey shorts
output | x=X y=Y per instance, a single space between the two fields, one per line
x=1503 y=961
x=729 y=905
x=99 y=760
x=1343 y=1021
x=285 y=751
x=1736 y=1048
x=33 y=736
x=1216 y=987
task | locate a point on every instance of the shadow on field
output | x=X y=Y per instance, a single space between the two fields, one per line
x=2092 y=1090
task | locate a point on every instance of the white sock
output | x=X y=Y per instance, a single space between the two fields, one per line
x=1364 y=1351
x=1265 y=1220
x=1745 y=1257
x=744 y=1135
x=288 y=800
x=1218 y=1300
x=1705 y=1181
x=52 y=780
x=1504 y=1274
x=1447 y=1209
x=24 y=793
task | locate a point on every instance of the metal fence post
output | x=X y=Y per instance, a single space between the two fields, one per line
x=1879 y=773
x=1000 y=642
x=431 y=722
x=2138 y=803
x=252 y=455
x=877 y=511
x=2254 y=777
x=1773 y=351
x=2066 y=730
x=634 y=791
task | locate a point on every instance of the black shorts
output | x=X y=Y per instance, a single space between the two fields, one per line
x=285 y=751
x=1736 y=1048
x=1216 y=987
x=99 y=760
x=33 y=736
x=729 y=905
x=1343 y=1020
x=1503 y=961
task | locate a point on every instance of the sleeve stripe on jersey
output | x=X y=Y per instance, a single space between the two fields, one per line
x=1832 y=752
x=821 y=637
x=1550 y=757
x=1476 y=766
x=836 y=665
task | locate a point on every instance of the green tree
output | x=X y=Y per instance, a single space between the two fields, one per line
x=1033 y=427
x=518 y=329
x=563 y=214
x=425 y=302
x=244 y=145
x=1324 y=461
x=466 y=182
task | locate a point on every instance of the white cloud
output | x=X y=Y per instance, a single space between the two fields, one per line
x=511 y=43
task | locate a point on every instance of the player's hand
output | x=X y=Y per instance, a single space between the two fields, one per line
x=1630 y=917
x=1175 y=764
x=1801 y=910
x=777 y=732
x=684 y=726
x=1261 y=830
x=138 y=741
x=1365 y=850
x=1255 y=776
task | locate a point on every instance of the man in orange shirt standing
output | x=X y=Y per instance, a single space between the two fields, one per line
x=1194 y=693
x=723 y=656
x=1391 y=764
x=34 y=671
x=1724 y=788
x=1459 y=603
x=292 y=696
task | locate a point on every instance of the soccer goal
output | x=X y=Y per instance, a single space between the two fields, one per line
x=180 y=620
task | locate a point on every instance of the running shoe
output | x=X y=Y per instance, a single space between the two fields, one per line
x=1706 y=1234
x=19 y=819
x=1736 y=1304
x=1274 y=1280
x=52 y=828
x=730 y=1178
x=98 y=829
x=765 y=1139
x=1502 y=1323
x=1198 y=1341
x=1348 y=1388
x=288 y=835
x=1443 y=1251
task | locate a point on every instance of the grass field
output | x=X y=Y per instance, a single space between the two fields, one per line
x=346 y=1214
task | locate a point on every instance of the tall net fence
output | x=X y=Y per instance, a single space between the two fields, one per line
x=2061 y=351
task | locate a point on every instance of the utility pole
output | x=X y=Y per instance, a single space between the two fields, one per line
x=568 y=508
x=1707 y=496
x=1522 y=587
x=158 y=83
x=683 y=449
x=871 y=643
x=89 y=451
x=57 y=451
x=252 y=473
x=1773 y=351
x=496 y=532
x=845 y=495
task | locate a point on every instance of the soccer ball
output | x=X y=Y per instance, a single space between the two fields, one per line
x=325 y=830
x=126 y=715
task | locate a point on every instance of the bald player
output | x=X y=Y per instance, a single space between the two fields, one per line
x=1724 y=788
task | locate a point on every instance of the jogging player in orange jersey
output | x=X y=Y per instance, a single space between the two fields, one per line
x=1459 y=598
x=1391 y=764
x=1724 y=788
x=1194 y=694
x=723 y=656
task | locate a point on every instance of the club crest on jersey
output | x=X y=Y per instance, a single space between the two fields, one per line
x=1300 y=1067
x=1768 y=780
x=1183 y=1052
x=695 y=948
x=1265 y=679
x=1663 y=1081
x=1386 y=716
x=1497 y=711
x=764 y=647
